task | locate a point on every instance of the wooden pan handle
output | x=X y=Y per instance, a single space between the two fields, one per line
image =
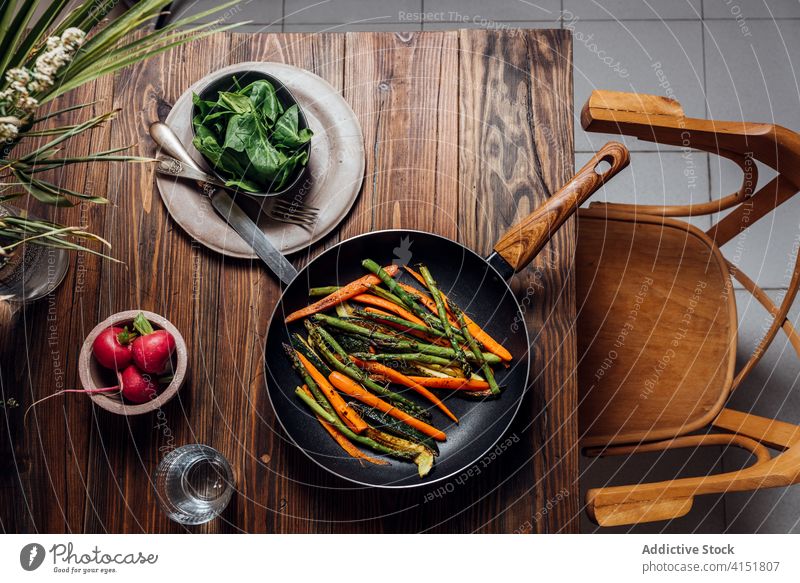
x=522 y=242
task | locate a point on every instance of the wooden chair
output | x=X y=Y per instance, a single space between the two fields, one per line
x=657 y=324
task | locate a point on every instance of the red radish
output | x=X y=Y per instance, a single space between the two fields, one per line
x=137 y=387
x=152 y=350
x=112 y=347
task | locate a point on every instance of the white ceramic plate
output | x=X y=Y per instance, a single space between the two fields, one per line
x=336 y=167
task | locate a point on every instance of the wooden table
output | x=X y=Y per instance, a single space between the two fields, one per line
x=465 y=132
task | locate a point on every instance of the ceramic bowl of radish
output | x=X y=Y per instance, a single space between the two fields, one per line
x=133 y=362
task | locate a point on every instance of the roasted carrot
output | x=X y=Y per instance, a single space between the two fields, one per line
x=450 y=383
x=349 y=387
x=401 y=379
x=343 y=442
x=342 y=294
x=343 y=410
x=371 y=300
x=477 y=332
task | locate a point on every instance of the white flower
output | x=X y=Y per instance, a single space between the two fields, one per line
x=22 y=82
x=8 y=131
x=73 y=38
x=18 y=75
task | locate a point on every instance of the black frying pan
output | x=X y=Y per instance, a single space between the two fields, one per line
x=476 y=284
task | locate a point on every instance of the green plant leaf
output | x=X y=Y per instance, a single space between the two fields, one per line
x=245 y=185
x=286 y=131
x=239 y=131
x=265 y=100
x=235 y=102
x=286 y=171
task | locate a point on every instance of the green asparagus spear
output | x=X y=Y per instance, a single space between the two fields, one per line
x=476 y=350
x=408 y=300
x=322 y=291
x=312 y=386
x=437 y=298
x=393 y=342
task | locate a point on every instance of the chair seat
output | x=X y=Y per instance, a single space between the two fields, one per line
x=656 y=327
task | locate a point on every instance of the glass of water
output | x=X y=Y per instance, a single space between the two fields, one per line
x=194 y=484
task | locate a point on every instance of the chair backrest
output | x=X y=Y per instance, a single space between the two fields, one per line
x=662 y=120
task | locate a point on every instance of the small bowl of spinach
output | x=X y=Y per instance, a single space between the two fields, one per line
x=252 y=133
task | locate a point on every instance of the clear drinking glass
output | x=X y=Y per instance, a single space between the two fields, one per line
x=194 y=484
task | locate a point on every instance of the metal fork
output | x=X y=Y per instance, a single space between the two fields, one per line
x=294 y=211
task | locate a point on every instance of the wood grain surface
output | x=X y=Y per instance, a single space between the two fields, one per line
x=465 y=132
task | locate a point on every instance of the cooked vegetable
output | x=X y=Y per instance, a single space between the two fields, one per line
x=387 y=423
x=322 y=291
x=404 y=357
x=343 y=442
x=477 y=332
x=340 y=295
x=442 y=311
x=339 y=405
x=450 y=383
x=476 y=350
x=344 y=366
x=300 y=344
x=306 y=376
x=353 y=389
x=393 y=342
x=403 y=337
x=249 y=138
x=318 y=410
x=423 y=456
x=401 y=379
x=377 y=440
x=394 y=287
x=388 y=306
x=419 y=330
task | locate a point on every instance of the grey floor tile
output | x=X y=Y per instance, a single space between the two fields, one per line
x=631 y=9
x=465 y=10
x=766 y=250
x=257 y=11
x=355 y=27
x=316 y=11
x=661 y=58
x=495 y=25
x=659 y=178
x=253 y=28
x=771 y=390
x=752 y=78
x=707 y=514
x=744 y=9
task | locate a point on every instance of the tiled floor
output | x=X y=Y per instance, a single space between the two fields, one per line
x=726 y=59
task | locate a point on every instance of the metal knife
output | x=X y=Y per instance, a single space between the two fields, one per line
x=163 y=135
